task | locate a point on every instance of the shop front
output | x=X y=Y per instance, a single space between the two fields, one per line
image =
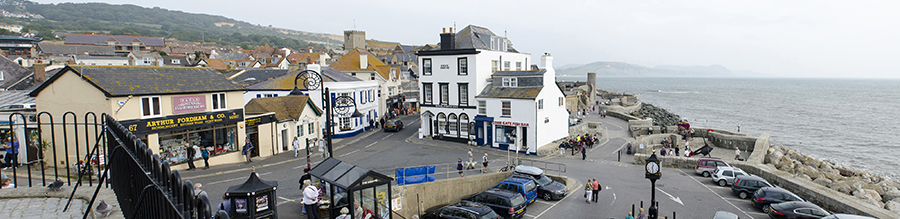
x=217 y=131
x=260 y=132
x=511 y=135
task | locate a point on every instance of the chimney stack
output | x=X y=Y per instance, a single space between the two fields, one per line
x=447 y=40
x=363 y=60
x=40 y=74
x=547 y=61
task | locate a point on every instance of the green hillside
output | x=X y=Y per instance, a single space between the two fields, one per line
x=136 y=20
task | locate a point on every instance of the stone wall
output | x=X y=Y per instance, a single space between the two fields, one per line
x=622 y=109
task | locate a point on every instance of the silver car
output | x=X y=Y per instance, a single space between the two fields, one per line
x=724 y=176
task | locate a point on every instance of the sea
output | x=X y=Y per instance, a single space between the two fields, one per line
x=852 y=122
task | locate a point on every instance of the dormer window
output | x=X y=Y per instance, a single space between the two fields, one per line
x=510 y=82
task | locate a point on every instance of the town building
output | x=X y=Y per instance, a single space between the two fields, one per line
x=101 y=60
x=122 y=44
x=295 y=116
x=464 y=68
x=166 y=107
x=366 y=66
x=19 y=46
x=145 y=58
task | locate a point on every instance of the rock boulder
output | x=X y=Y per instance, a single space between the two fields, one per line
x=891 y=195
x=893 y=206
x=822 y=181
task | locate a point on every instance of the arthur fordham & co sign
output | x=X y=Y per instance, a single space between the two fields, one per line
x=182 y=122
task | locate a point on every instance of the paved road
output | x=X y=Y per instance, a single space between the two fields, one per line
x=680 y=191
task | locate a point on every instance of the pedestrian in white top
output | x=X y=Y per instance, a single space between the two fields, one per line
x=296 y=146
x=737 y=153
x=311 y=200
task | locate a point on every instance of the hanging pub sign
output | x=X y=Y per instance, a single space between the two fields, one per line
x=182 y=122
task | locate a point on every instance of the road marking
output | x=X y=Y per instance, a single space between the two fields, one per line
x=528 y=215
x=348 y=153
x=373 y=143
x=717 y=194
x=561 y=200
x=385 y=137
x=619 y=149
x=286 y=200
x=676 y=199
x=235 y=179
x=542 y=202
x=614 y=199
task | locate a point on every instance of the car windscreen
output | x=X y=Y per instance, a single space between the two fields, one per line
x=544 y=180
x=518 y=200
x=529 y=186
x=490 y=215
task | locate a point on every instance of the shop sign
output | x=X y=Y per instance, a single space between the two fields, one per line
x=259 y=120
x=510 y=123
x=182 y=122
x=191 y=103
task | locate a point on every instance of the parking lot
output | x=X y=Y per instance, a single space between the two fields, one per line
x=743 y=205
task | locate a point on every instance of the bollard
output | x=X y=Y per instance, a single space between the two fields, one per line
x=673 y=215
x=632 y=209
x=642 y=204
x=620 y=155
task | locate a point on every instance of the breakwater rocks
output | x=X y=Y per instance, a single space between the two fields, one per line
x=660 y=116
x=875 y=190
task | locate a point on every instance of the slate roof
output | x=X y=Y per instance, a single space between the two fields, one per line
x=491 y=91
x=406 y=48
x=15 y=97
x=350 y=62
x=88 y=57
x=286 y=82
x=100 y=39
x=145 y=54
x=285 y=107
x=381 y=44
x=257 y=75
x=55 y=49
x=27 y=83
x=116 y=81
x=475 y=37
x=520 y=73
x=231 y=56
x=12 y=72
x=183 y=61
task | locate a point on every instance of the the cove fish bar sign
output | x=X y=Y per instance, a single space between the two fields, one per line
x=181 y=122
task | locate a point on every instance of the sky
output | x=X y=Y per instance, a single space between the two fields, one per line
x=821 y=39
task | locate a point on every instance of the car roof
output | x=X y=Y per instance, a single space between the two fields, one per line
x=712 y=158
x=529 y=170
x=730 y=168
x=501 y=192
x=776 y=189
x=751 y=177
x=517 y=180
x=801 y=204
x=725 y=215
x=848 y=216
x=473 y=206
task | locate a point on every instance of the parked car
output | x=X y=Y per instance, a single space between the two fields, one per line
x=724 y=176
x=507 y=204
x=393 y=125
x=526 y=187
x=462 y=210
x=763 y=197
x=745 y=186
x=725 y=215
x=706 y=165
x=796 y=210
x=547 y=188
x=847 y=216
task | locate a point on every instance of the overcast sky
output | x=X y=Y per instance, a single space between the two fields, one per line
x=855 y=39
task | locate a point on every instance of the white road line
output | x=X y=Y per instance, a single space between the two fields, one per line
x=286 y=200
x=235 y=179
x=528 y=215
x=348 y=153
x=614 y=199
x=542 y=202
x=385 y=137
x=373 y=143
x=717 y=194
x=561 y=200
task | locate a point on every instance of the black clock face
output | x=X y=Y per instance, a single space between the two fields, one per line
x=344 y=106
x=310 y=80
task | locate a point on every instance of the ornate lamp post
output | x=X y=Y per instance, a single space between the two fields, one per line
x=651 y=171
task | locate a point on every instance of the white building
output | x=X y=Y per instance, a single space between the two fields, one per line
x=339 y=83
x=101 y=60
x=452 y=76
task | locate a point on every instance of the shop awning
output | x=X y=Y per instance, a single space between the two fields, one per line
x=484 y=118
x=346 y=175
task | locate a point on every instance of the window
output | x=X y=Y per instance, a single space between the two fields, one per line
x=311 y=128
x=218 y=101
x=452 y=121
x=506 y=66
x=562 y=101
x=510 y=82
x=445 y=93
x=176 y=61
x=426 y=92
x=463 y=94
x=345 y=123
x=372 y=76
x=150 y=106
x=391 y=91
x=482 y=107
x=505 y=134
x=494 y=65
x=507 y=108
x=442 y=123
x=394 y=74
x=146 y=60
x=518 y=66
x=541 y=104
x=426 y=66
x=300 y=130
x=463 y=66
x=463 y=124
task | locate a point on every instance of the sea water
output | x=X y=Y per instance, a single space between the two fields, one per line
x=852 y=122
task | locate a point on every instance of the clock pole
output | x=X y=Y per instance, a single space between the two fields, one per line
x=653 y=173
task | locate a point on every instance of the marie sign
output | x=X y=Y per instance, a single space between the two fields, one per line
x=191 y=103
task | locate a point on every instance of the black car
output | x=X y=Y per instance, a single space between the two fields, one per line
x=798 y=210
x=763 y=197
x=462 y=210
x=547 y=188
x=506 y=203
x=744 y=186
x=393 y=125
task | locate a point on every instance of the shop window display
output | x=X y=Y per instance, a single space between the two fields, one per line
x=506 y=134
x=218 y=139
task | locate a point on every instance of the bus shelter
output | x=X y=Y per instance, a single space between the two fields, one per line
x=356 y=188
x=254 y=198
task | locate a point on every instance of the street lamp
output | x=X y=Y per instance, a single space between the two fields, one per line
x=651 y=171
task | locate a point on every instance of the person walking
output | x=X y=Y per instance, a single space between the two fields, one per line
x=296 y=145
x=190 y=156
x=310 y=200
x=198 y=189
x=737 y=153
x=629 y=216
x=224 y=206
x=305 y=177
x=642 y=215
x=484 y=161
x=204 y=152
x=471 y=164
x=595 y=186
x=248 y=148
x=583 y=152
x=459 y=167
x=12 y=153
x=587 y=191
x=372 y=124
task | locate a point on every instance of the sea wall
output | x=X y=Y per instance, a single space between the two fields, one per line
x=622 y=109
